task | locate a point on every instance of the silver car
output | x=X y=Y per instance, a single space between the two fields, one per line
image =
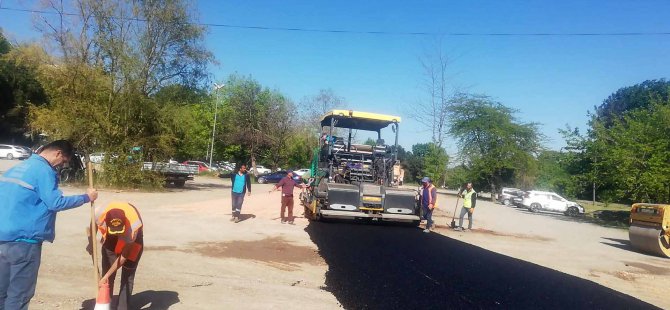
x=13 y=151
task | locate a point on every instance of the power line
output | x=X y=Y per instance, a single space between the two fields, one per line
x=369 y=32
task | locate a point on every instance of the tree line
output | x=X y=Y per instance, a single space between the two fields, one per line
x=119 y=85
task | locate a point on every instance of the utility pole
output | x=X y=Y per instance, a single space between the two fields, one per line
x=216 y=110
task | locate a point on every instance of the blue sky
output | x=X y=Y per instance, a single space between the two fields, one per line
x=553 y=80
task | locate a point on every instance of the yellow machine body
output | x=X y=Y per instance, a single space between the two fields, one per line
x=650 y=228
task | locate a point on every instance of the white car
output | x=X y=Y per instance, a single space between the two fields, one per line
x=97 y=158
x=262 y=170
x=549 y=201
x=13 y=151
x=301 y=172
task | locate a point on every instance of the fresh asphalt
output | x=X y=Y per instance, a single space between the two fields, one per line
x=394 y=267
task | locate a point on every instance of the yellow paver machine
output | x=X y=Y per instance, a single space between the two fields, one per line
x=649 y=228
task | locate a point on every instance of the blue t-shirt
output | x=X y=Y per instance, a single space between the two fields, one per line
x=238 y=186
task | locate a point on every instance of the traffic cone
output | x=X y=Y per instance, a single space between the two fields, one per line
x=103 y=300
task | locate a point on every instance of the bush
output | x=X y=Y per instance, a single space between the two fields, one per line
x=121 y=173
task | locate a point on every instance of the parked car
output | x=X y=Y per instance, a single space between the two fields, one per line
x=202 y=166
x=97 y=157
x=549 y=201
x=13 y=151
x=507 y=194
x=276 y=176
x=260 y=170
x=300 y=172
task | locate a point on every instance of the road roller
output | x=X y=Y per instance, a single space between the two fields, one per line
x=649 y=231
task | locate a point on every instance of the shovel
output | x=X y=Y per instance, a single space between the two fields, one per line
x=453 y=218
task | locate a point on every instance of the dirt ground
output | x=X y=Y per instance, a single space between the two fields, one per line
x=195 y=258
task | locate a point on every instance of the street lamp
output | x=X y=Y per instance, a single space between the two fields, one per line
x=216 y=109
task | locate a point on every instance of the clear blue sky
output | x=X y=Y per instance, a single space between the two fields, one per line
x=553 y=80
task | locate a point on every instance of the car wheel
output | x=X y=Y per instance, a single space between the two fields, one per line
x=572 y=211
x=534 y=207
x=262 y=180
x=506 y=202
x=10 y=156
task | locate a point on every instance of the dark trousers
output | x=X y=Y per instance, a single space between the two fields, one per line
x=465 y=211
x=287 y=203
x=428 y=216
x=238 y=199
x=127 y=273
x=19 y=264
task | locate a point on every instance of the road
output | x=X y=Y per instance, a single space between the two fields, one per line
x=196 y=259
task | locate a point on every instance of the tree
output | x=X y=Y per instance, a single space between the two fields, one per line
x=427 y=159
x=632 y=98
x=19 y=88
x=490 y=140
x=634 y=161
x=433 y=111
x=316 y=106
x=113 y=56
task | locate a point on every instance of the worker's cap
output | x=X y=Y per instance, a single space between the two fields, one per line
x=425 y=180
x=289 y=171
x=116 y=221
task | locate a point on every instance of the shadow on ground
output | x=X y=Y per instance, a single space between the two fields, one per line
x=191 y=186
x=392 y=267
x=154 y=300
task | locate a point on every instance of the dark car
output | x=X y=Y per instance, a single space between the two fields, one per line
x=274 y=177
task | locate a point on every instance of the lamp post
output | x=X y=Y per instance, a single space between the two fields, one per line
x=216 y=109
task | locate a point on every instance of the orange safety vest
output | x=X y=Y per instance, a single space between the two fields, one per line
x=431 y=200
x=133 y=224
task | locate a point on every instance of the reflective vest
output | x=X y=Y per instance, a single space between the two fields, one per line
x=431 y=200
x=467 y=199
x=133 y=224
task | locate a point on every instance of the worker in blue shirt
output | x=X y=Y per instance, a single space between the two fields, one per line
x=30 y=201
x=241 y=185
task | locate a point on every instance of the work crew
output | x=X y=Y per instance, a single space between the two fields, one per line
x=122 y=238
x=241 y=185
x=30 y=201
x=287 y=185
x=428 y=202
x=469 y=202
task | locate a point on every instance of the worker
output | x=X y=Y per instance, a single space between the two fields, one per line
x=469 y=202
x=30 y=201
x=241 y=185
x=287 y=184
x=428 y=202
x=122 y=238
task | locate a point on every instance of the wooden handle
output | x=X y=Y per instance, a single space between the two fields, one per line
x=94 y=231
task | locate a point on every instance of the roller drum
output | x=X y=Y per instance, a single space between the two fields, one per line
x=649 y=239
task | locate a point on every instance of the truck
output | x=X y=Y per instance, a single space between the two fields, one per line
x=173 y=172
x=357 y=181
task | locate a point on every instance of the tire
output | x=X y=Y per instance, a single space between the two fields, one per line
x=572 y=211
x=10 y=156
x=535 y=207
x=506 y=202
x=262 y=180
x=179 y=183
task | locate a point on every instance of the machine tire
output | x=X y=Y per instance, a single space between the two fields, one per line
x=10 y=156
x=506 y=202
x=534 y=207
x=179 y=183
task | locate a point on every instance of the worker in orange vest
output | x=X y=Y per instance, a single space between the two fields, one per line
x=122 y=238
x=428 y=202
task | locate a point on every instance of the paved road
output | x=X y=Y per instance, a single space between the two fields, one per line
x=376 y=267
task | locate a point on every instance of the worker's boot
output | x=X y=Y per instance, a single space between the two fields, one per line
x=237 y=219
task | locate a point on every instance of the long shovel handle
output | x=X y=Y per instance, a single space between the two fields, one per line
x=458 y=197
x=94 y=232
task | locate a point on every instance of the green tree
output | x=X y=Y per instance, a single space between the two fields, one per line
x=632 y=98
x=490 y=140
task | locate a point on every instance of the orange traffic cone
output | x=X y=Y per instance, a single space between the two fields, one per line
x=103 y=300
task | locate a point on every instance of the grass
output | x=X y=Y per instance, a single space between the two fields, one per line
x=609 y=215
